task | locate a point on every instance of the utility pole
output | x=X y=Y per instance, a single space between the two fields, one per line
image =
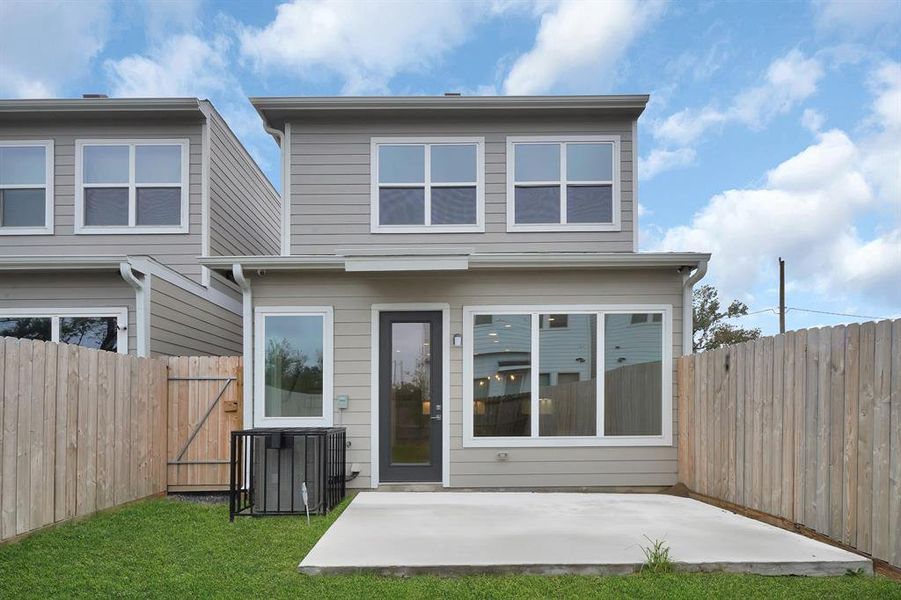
x=781 y=295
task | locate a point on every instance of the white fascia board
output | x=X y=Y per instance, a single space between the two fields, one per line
x=61 y=263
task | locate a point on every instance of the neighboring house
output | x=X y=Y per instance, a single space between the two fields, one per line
x=106 y=207
x=459 y=286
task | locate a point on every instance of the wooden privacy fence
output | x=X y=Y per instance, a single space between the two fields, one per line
x=82 y=430
x=805 y=426
x=204 y=408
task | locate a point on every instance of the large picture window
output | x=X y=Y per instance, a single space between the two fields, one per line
x=26 y=187
x=131 y=186
x=568 y=183
x=101 y=329
x=427 y=185
x=556 y=376
x=293 y=366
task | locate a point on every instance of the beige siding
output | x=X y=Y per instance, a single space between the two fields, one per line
x=330 y=186
x=183 y=324
x=69 y=290
x=245 y=210
x=352 y=296
x=177 y=251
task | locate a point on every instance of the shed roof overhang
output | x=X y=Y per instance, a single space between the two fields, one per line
x=449 y=259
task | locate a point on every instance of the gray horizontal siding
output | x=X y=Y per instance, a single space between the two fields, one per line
x=352 y=296
x=177 y=251
x=245 y=211
x=183 y=324
x=330 y=186
x=69 y=290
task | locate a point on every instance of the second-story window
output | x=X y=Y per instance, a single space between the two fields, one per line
x=131 y=186
x=430 y=185
x=26 y=187
x=568 y=183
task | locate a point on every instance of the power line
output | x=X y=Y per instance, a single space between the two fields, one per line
x=838 y=314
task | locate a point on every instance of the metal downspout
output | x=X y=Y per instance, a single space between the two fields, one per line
x=247 y=326
x=689 y=280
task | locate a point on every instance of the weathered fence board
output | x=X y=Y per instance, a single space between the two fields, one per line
x=805 y=426
x=65 y=413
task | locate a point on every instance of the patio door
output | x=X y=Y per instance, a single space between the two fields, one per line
x=410 y=402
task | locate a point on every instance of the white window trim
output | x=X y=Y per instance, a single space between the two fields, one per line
x=328 y=361
x=55 y=314
x=49 y=160
x=478 y=227
x=512 y=226
x=664 y=439
x=82 y=229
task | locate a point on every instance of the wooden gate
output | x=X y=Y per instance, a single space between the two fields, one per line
x=204 y=408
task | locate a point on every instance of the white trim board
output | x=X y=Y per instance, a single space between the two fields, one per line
x=427 y=142
x=562 y=140
x=183 y=227
x=119 y=312
x=664 y=439
x=151 y=267
x=49 y=201
x=328 y=366
x=375 y=310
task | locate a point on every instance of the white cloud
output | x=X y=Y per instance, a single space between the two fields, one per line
x=807 y=211
x=812 y=120
x=857 y=18
x=365 y=44
x=580 y=45
x=789 y=80
x=45 y=45
x=661 y=159
x=163 y=18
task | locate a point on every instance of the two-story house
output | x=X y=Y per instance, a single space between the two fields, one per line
x=107 y=206
x=459 y=286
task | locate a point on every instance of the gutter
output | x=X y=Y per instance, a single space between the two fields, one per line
x=142 y=306
x=689 y=279
x=283 y=138
x=247 y=336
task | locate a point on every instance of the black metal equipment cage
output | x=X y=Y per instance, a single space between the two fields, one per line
x=268 y=468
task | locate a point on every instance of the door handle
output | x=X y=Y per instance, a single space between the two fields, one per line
x=436 y=412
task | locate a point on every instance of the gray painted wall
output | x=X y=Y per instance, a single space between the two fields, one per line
x=69 y=290
x=177 y=251
x=245 y=210
x=352 y=296
x=330 y=185
x=182 y=324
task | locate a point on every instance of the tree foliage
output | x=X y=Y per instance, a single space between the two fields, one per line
x=711 y=329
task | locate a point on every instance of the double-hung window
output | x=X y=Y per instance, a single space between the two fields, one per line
x=293 y=366
x=568 y=183
x=26 y=187
x=101 y=329
x=433 y=185
x=602 y=379
x=125 y=186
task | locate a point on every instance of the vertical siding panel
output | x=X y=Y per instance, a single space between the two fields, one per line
x=895 y=450
x=61 y=431
x=697 y=457
x=788 y=426
x=122 y=438
x=836 y=429
x=684 y=417
x=50 y=412
x=10 y=442
x=23 y=440
x=757 y=458
x=2 y=429
x=881 y=439
x=821 y=506
x=704 y=461
x=775 y=451
x=106 y=391
x=810 y=432
x=74 y=391
x=36 y=435
x=731 y=424
x=766 y=449
x=134 y=426
x=865 y=438
x=739 y=370
x=849 y=462
x=718 y=422
x=799 y=395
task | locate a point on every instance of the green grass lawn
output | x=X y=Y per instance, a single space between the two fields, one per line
x=173 y=548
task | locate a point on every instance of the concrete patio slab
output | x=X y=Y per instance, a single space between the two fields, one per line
x=521 y=532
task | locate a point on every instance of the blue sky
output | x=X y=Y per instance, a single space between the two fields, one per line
x=774 y=128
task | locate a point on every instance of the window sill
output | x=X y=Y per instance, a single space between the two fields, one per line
x=292 y=422
x=558 y=227
x=117 y=230
x=26 y=231
x=427 y=229
x=567 y=442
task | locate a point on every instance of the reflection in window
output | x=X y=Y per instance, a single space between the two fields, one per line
x=26 y=328
x=502 y=358
x=410 y=394
x=100 y=333
x=567 y=400
x=294 y=366
x=633 y=378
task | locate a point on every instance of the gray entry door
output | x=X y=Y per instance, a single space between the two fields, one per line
x=410 y=402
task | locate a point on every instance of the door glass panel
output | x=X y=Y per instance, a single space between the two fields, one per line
x=410 y=399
